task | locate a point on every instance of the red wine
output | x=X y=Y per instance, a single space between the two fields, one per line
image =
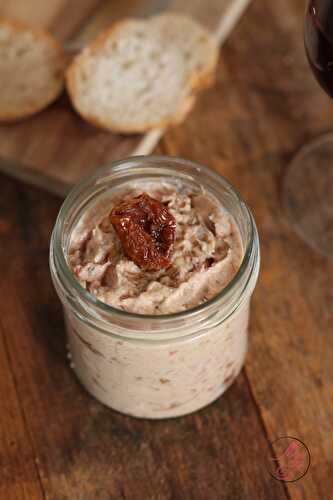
x=318 y=37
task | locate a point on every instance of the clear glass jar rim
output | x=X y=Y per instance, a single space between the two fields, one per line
x=118 y=166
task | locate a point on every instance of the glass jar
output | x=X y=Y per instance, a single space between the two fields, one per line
x=155 y=366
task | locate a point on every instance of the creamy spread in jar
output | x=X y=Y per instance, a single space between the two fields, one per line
x=206 y=255
x=160 y=341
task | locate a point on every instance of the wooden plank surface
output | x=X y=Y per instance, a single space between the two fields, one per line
x=264 y=107
x=85 y=451
x=51 y=15
x=19 y=476
x=38 y=143
x=56 y=148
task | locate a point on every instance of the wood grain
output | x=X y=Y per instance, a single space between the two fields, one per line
x=19 y=478
x=83 y=450
x=52 y=15
x=248 y=128
x=39 y=143
x=264 y=107
x=56 y=148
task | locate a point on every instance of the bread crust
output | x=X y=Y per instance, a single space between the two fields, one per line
x=196 y=82
x=54 y=90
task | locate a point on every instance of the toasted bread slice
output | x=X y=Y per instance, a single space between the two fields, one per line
x=32 y=66
x=142 y=74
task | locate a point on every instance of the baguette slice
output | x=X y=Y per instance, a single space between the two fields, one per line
x=32 y=67
x=142 y=74
x=197 y=45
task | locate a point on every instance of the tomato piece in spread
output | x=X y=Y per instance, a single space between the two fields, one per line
x=146 y=230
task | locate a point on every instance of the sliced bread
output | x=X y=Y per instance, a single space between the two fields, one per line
x=196 y=44
x=142 y=74
x=32 y=66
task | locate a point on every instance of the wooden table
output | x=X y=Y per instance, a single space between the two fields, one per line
x=57 y=443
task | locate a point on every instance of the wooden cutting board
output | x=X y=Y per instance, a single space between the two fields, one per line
x=56 y=148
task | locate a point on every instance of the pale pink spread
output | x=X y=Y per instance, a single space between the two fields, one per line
x=207 y=253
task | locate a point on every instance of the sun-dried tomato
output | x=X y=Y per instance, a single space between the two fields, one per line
x=146 y=230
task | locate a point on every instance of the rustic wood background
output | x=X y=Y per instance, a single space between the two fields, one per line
x=56 y=442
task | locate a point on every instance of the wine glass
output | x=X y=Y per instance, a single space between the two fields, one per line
x=308 y=184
